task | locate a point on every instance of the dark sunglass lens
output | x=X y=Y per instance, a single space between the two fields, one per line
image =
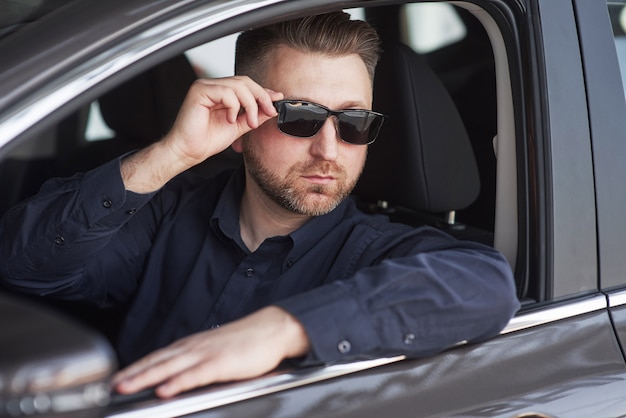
x=359 y=127
x=300 y=118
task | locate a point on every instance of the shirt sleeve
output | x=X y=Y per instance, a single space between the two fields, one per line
x=427 y=293
x=47 y=239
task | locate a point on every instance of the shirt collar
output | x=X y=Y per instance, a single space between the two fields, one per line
x=226 y=217
x=226 y=214
x=316 y=228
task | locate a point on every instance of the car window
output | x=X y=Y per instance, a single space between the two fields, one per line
x=430 y=26
x=617 y=12
x=204 y=64
x=103 y=129
x=99 y=130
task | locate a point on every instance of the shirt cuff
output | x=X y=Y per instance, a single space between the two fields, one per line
x=104 y=197
x=338 y=328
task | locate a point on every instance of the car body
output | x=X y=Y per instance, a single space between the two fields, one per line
x=536 y=82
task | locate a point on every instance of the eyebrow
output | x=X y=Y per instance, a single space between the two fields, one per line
x=345 y=105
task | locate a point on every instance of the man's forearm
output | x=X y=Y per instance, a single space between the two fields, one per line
x=415 y=305
x=151 y=168
x=48 y=239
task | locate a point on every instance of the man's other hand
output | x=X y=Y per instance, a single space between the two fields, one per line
x=247 y=348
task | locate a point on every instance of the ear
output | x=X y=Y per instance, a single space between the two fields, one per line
x=236 y=146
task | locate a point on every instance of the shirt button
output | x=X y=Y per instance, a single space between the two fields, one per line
x=131 y=211
x=289 y=263
x=59 y=240
x=344 y=346
x=107 y=203
x=250 y=272
x=409 y=338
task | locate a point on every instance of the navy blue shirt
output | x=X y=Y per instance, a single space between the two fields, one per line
x=359 y=284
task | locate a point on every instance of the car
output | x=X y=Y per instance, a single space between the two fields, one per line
x=510 y=133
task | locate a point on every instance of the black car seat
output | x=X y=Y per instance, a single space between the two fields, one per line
x=141 y=111
x=422 y=166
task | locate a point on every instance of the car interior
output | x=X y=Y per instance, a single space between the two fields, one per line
x=433 y=163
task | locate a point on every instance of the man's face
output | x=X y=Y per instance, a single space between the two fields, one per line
x=309 y=176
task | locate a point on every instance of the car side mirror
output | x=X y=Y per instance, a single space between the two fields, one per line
x=50 y=366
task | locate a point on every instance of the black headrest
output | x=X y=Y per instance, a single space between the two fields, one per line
x=144 y=108
x=423 y=159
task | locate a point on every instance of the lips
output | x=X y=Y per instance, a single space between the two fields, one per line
x=319 y=178
x=322 y=173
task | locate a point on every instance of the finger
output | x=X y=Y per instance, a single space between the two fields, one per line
x=250 y=108
x=260 y=103
x=151 y=370
x=221 y=97
x=246 y=92
x=134 y=369
x=198 y=375
x=257 y=102
x=267 y=104
x=156 y=375
x=267 y=110
x=247 y=102
x=240 y=104
x=275 y=95
x=217 y=367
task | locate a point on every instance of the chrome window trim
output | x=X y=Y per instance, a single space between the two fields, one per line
x=213 y=397
x=36 y=107
x=557 y=313
x=226 y=394
x=617 y=299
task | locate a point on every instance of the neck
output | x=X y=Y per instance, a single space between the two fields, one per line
x=261 y=218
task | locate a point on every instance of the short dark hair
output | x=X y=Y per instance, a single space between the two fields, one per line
x=332 y=34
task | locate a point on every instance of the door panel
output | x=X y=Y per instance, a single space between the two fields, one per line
x=607 y=111
x=480 y=377
x=617 y=301
x=570 y=214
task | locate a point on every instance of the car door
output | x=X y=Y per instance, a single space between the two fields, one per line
x=601 y=37
x=554 y=194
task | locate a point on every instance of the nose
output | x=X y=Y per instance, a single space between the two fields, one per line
x=325 y=143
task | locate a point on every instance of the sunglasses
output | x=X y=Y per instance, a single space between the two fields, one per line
x=304 y=119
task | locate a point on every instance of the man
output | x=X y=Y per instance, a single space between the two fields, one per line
x=228 y=278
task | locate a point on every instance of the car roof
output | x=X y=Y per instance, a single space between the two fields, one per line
x=16 y=14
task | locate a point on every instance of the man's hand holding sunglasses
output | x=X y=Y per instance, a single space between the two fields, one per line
x=214 y=114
